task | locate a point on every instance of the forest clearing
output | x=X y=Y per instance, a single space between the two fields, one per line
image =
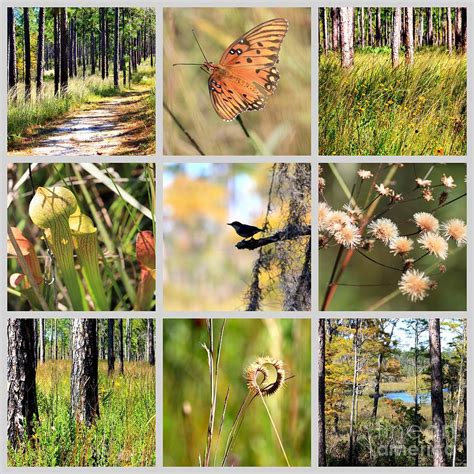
x=81 y=81
x=82 y=393
x=237 y=392
x=392 y=81
x=392 y=392
x=81 y=237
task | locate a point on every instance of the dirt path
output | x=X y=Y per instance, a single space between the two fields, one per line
x=113 y=126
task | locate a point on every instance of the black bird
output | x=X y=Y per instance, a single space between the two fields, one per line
x=244 y=230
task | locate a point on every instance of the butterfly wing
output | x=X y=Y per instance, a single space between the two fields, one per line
x=249 y=62
x=258 y=48
x=230 y=96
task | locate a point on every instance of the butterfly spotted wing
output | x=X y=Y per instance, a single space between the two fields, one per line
x=246 y=73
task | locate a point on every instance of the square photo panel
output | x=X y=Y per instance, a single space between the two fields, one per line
x=81 y=237
x=219 y=64
x=81 y=392
x=392 y=237
x=393 y=392
x=237 y=237
x=393 y=81
x=81 y=81
x=237 y=392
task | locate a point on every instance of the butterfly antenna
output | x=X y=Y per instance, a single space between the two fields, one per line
x=197 y=41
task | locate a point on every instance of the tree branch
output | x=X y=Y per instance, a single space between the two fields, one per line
x=290 y=233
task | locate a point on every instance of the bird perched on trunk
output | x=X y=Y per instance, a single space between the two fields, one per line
x=244 y=230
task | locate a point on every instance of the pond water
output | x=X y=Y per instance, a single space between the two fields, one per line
x=405 y=397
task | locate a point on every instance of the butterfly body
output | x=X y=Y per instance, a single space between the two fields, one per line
x=246 y=74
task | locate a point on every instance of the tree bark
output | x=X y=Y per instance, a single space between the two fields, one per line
x=429 y=35
x=110 y=346
x=324 y=21
x=122 y=53
x=378 y=27
x=102 y=40
x=40 y=54
x=55 y=339
x=84 y=371
x=335 y=28
x=64 y=50
x=409 y=47
x=355 y=389
x=378 y=376
x=437 y=403
x=463 y=30
x=371 y=27
x=449 y=31
x=42 y=351
x=322 y=392
x=347 y=36
x=27 y=47
x=128 y=339
x=120 y=331
x=362 y=27
x=116 y=47
x=22 y=406
x=150 y=342
x=397 y=23
x=11 y=32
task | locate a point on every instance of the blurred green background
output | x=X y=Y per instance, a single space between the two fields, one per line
x=283 y=127
x=451 y=292
x=203 y=269
x=186 y=391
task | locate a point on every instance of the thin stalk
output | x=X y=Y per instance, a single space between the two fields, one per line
x=275 y=429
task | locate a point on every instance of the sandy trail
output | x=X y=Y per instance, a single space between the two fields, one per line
x=106 y=129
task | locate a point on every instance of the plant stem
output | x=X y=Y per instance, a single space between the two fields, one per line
x=275 y=429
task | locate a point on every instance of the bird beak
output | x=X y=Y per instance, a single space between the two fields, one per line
x=228 y=223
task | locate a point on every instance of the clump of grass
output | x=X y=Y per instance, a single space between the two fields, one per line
x=124 y=435
x=376 y=110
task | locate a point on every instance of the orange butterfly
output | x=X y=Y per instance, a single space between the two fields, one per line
x=246 y=75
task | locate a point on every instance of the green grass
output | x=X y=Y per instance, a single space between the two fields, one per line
x=23 y=117
x=124 y=435
x=375 y=110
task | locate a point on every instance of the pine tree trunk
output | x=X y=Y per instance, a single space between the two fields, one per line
x=11 y=32
x=55 y=339
x=128 y=339
x=437 y=403
x=355 y=388
x=362 y=27
x=26 y=31
x=42 y=351
x=84 y=371
x=378 y=377
x=102 y=40
x=122 y=61
x=324 y=20
x=93 y=65
x=429 y=35
x=150 y=342
x=397 y=23
x=64 y=50
x=347 y=36
x=409 y=47
x=116 y=47
x=378 y=27
x=22 y=406
x=449 y=30
x=463 y=30
x=120 y=331
x=322 y=392
x=335 y=28
x=371 y=27
x=110 y=346
x=40 y=54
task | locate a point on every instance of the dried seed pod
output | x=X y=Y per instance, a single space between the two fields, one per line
x=257 y=376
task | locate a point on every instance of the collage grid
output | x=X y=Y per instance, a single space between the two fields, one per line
x=160 y=314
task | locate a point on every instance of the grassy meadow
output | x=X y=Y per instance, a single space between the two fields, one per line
x=376 y=110
x=186 y=393
x=283 y=127
x=124 y=435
